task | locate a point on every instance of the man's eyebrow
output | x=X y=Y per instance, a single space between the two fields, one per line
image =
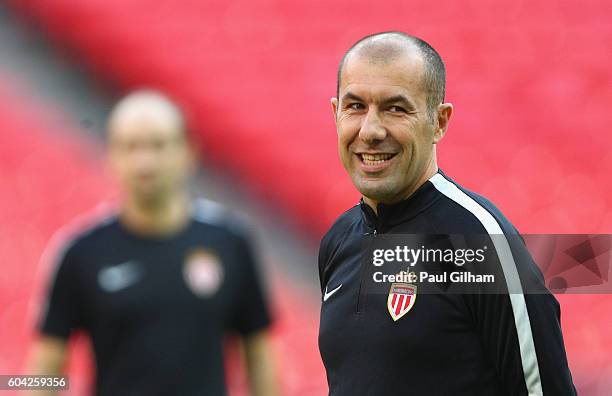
x=399 y=99
x=350 y=95
x=392 y=99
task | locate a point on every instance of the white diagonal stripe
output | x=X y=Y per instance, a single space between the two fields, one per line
x=529 y=359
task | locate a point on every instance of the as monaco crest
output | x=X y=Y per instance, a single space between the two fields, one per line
x=203 y=272
x=401 y=299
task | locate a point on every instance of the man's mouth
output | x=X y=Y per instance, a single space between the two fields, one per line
x=375 y=159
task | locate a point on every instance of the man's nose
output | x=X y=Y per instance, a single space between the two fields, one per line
x=372 y=128
x=145 y=159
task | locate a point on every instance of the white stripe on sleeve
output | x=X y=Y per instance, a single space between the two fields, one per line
x=517 y=298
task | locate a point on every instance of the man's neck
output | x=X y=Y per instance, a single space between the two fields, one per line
x=431 y=170
x=159 y=219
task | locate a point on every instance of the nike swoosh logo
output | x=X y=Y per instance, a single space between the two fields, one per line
x=327 y=295
x=117 y=277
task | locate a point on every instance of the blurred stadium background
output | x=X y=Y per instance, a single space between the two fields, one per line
x=530 y=81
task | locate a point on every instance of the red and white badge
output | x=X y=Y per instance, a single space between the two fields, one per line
x=401 y=299
x=203 y=272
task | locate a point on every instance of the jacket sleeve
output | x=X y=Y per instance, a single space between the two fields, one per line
x=62 y=311
x=251 y=312
x=521 y=331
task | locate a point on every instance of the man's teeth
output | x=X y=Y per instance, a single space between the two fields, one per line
x=375 y=159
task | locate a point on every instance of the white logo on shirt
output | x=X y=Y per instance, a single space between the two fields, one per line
x=117 y=277
x=327 y=295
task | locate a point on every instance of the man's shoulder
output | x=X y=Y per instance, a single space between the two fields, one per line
x=344 y=224
x=89 y=226
x=497 y=214
x=467 y=210
x=216 y=217
x=79 y=234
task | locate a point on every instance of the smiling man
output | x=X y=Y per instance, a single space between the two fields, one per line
x=390 y=114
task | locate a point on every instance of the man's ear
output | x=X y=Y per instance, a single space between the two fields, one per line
x=334 y=105
x=445 y=110
x=195 y=155
x=111 y=156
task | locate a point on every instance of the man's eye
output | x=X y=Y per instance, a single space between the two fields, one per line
x=158 y=146
x=397 y=109
x=356 y=106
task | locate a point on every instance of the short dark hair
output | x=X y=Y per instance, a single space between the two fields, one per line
x=434 y=79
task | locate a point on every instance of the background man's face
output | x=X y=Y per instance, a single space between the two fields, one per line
x=149 y=154
x=385 y=137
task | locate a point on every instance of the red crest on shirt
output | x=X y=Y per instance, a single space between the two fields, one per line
x=401 y=299
x=203 y=272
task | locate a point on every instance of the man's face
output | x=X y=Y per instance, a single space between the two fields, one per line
x=149 y=155
x=385 y=136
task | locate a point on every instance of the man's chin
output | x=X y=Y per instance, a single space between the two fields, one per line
x=376 y=190
x=148 y=196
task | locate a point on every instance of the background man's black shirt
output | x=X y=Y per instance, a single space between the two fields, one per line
x=153 y=333
x=447 y=344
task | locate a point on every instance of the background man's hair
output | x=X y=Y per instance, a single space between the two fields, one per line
x=434 y=78
x=154 y=99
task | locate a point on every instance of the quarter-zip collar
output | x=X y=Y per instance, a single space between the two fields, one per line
x=400 y=212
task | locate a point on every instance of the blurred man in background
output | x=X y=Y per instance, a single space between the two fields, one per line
x=158 y=284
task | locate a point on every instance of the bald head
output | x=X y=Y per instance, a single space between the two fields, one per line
x=387 y=47
x=145 y=107
x=150 y=153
